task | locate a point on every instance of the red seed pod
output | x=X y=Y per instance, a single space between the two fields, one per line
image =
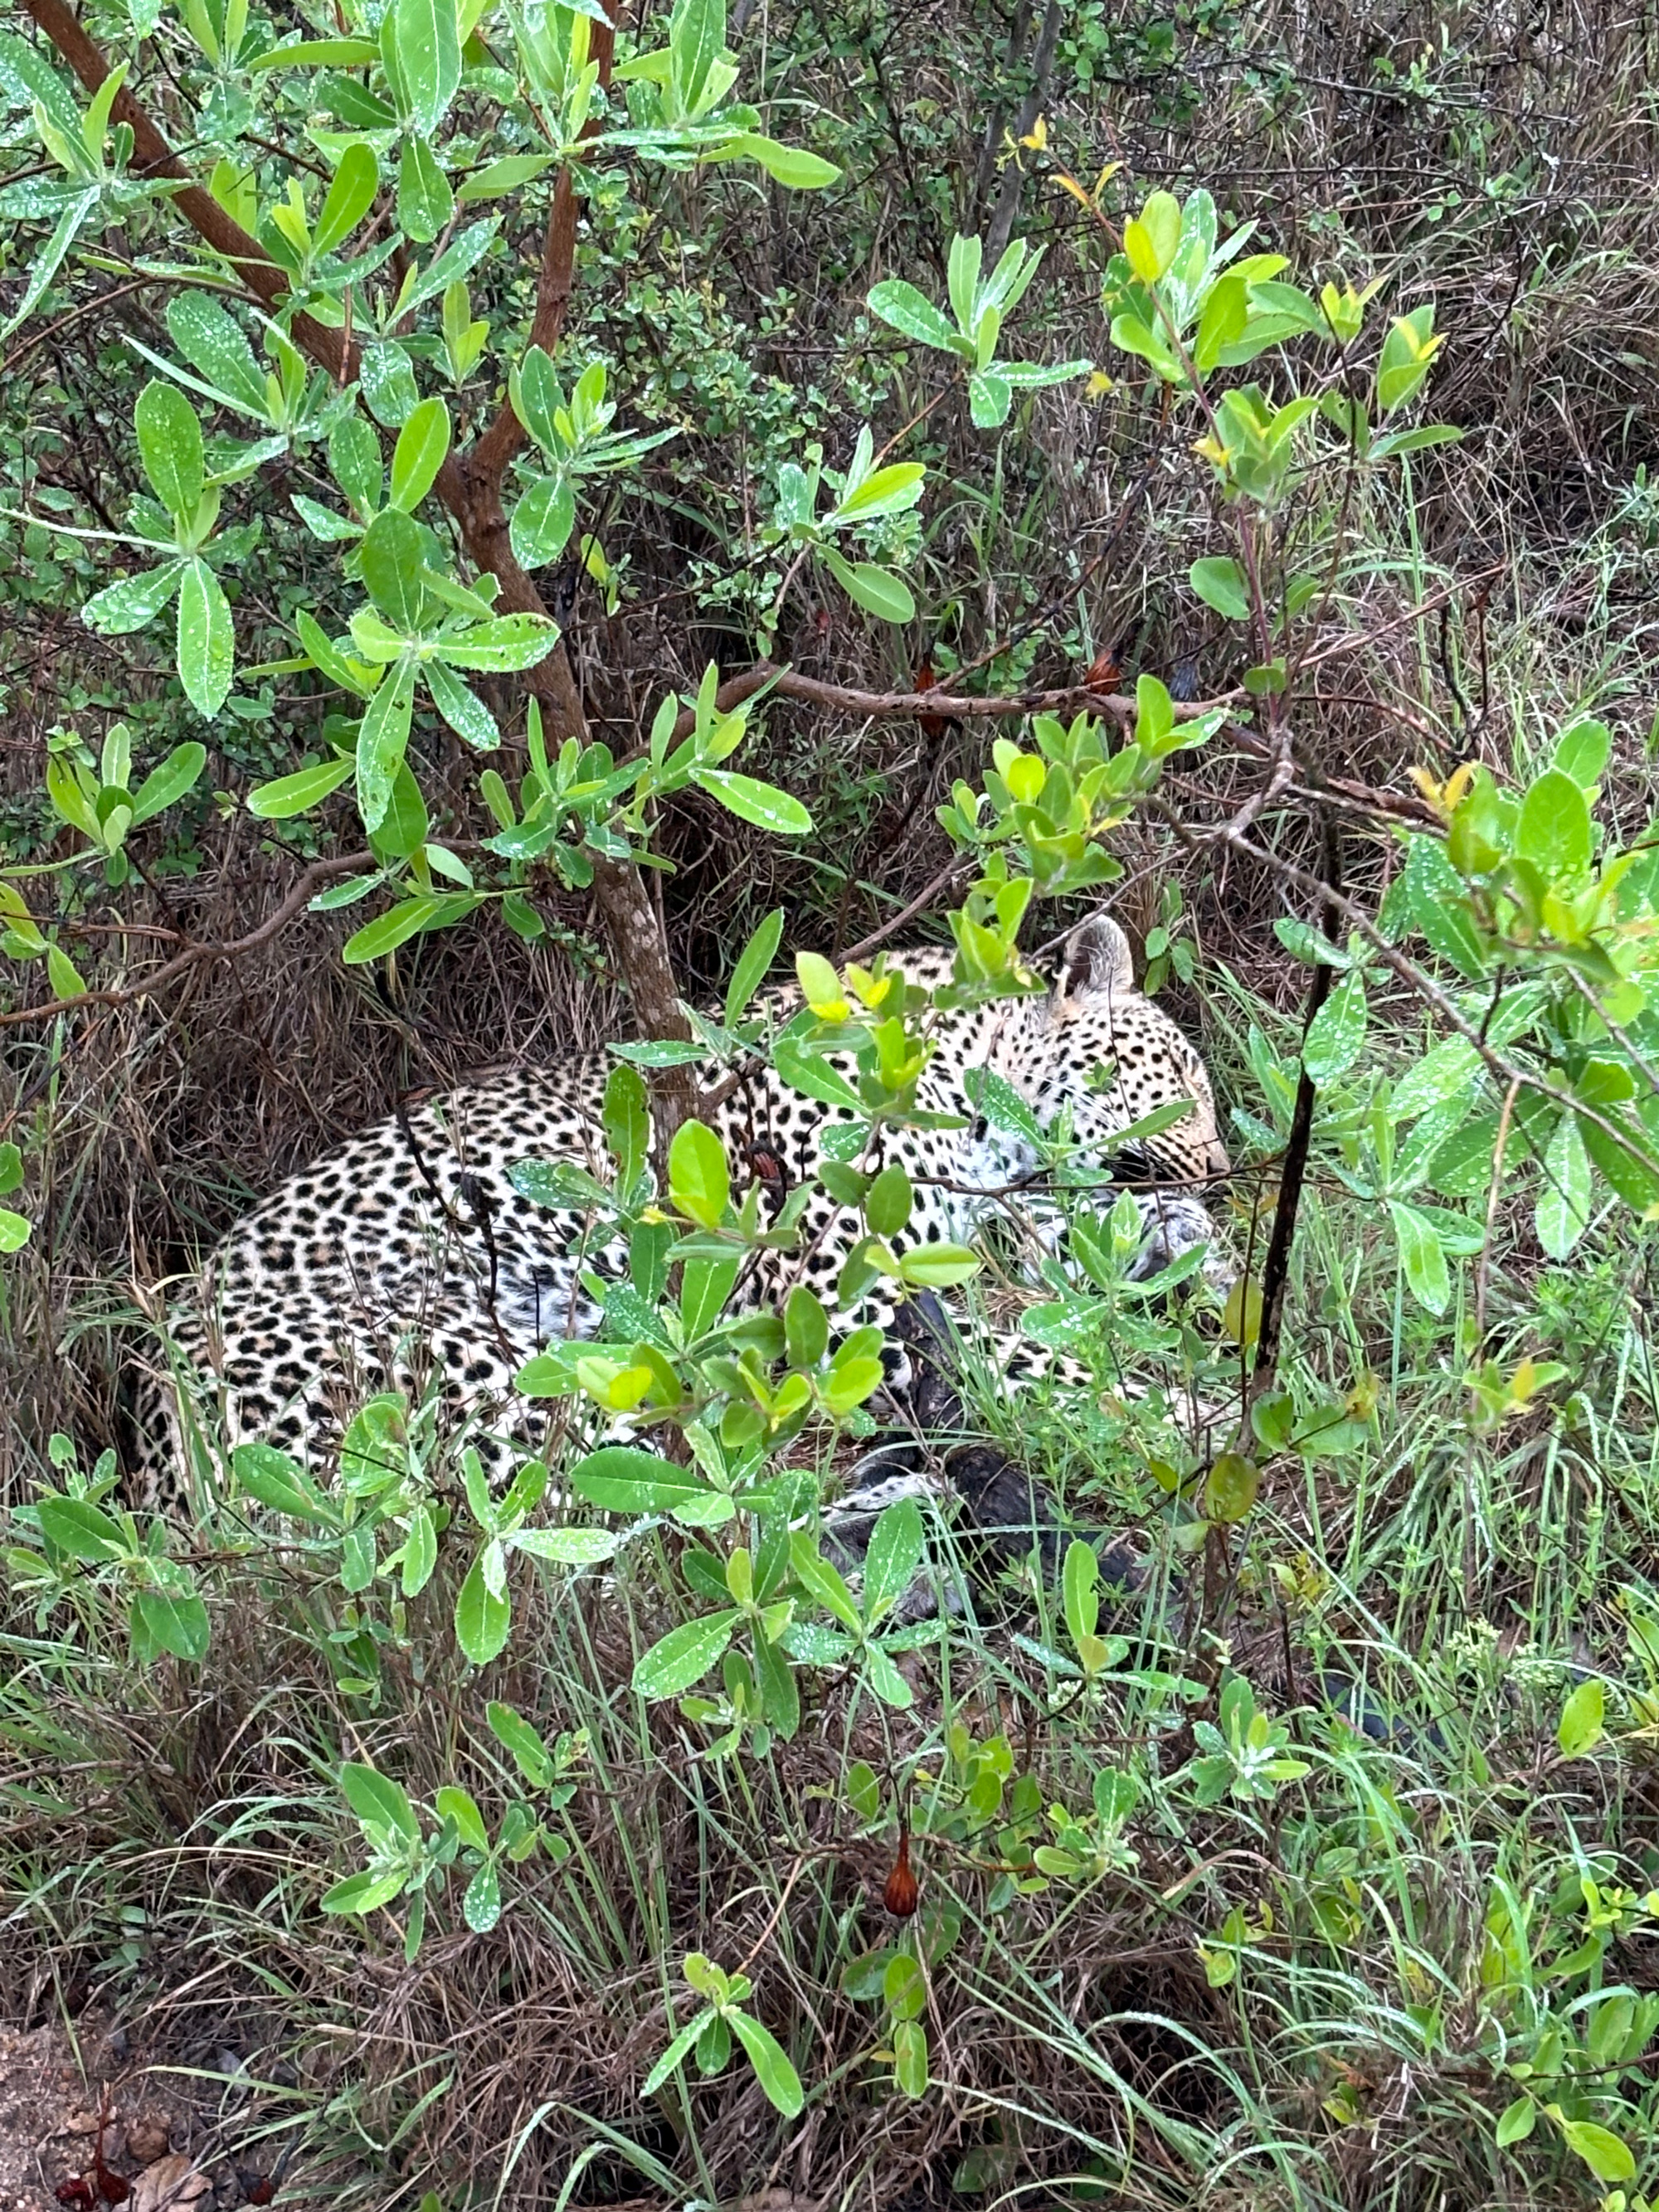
x=1104 y=673
x=931 y=726
x=903 y=1891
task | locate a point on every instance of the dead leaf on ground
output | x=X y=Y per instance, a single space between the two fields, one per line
x=171 y=2185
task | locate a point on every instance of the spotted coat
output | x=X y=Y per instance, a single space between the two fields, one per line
x=407 y=1258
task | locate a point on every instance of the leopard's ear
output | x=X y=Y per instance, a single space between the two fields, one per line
x=1096 y=957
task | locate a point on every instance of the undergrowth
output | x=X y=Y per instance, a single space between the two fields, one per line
x=1333 y=1883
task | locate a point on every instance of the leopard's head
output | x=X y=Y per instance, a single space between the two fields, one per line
x=1097 y=1056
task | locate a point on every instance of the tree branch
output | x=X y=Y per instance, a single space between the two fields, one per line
x=487 y=463
x=320 y=872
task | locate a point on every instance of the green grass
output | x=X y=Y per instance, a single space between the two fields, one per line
x=1311 y=1998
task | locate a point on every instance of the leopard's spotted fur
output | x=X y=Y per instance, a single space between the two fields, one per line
x=407 y=1255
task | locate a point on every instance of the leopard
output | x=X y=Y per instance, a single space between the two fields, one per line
x=409 y=1260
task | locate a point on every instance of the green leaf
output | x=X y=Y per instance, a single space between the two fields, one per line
x=543 y=522
x=1581 y=751
x=772 y=2067
x=456 y=1805
x=429 y=49
x=1404 y=361
x=912 y=313
x=461 y=708
x=938 y=1267
x=911 y=2058
x=323 y=522
x=699 y=1175
x=509 y=175
x=678 y=2049
x=885 y=1680
x=685 y=1656
x=168 y=782
x=697 y=34
x=621 y=1478
x=751 y=800
x=1230 y=1488
x=353 y=455
x=212 y=341
x=1422 y=1256
x=504 y=645
x=962 y=279
x=1608 y=2158
x=1440 y=1075
x=1516 y=2123
x=280 y=1483
x=403 y=832
x=420 y=1551
x=378 y=1801
x=425 y=202
x=1564 y=1189
x=28 y=76
x=170 y=448
x=388 y=383
x=422 y=446
x=15 y=1229
x=1553 y=828
x=206 y=640
x=996 y=1098
x=754 y=965
x=1336 y=1034
x=481 y=1906
x=1133 y=336
x=131 y=601
x=294 y=794
x=81 y=1529
x=63 y=973
x=1151 y=239
x=382 y=741
x=390 y=929
x=570 y=1547
x=391 y=559
x=794 y=166
x=1079 y=1580
x=175 y=1620
x=516 y=1735
x=810 y=1074
x=626 y=1114
x=889 y=1201
x=1221 y=585
x=1582 y=1719
x=363 y=1892
x=816 y=1576
x=457 y=260
x=875 y=590
x=887 y=491
x=894 y=1555
x=349 y=197
x=1437 y=900
x=483 y=1621
x=990 y=396
x=315 y=53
